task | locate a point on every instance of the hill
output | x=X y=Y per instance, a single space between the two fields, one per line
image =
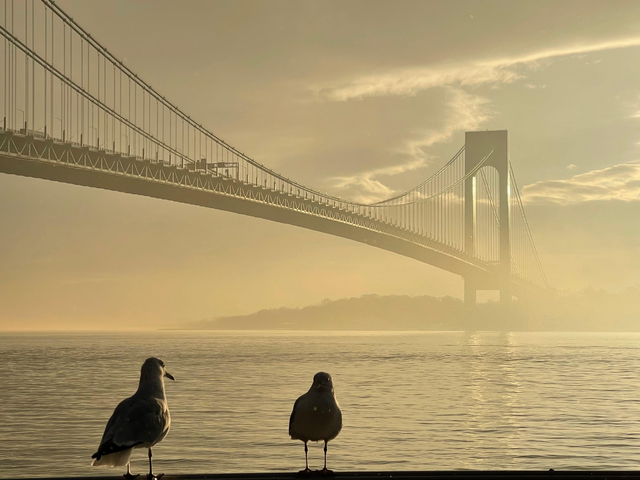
x=589 y=310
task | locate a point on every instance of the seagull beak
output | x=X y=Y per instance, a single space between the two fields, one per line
x=168 y=375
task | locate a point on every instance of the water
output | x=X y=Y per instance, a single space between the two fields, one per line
x=410 y=401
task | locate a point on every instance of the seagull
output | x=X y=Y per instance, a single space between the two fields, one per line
x=316 y=416
x=140 y=421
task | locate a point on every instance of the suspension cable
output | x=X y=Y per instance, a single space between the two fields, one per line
x=526 y=224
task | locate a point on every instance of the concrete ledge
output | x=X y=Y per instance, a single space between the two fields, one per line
x=401 y=475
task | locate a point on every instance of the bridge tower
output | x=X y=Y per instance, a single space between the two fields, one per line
x=495 y=145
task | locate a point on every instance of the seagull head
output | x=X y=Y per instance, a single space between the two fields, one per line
x=322 y=382
x=153 y=368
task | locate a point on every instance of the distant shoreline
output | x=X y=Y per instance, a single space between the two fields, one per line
x=587 y=311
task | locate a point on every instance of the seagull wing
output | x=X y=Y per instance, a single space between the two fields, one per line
x=107 y=445
x=293 y=414
x=338 y=424
x=135 y=421
x=147 y=421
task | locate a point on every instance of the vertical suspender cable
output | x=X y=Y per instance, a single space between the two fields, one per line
x=71 y=93
x=14 y=60
x=63 y=105
x=33 y=69
x=105 y=137
x=45 y=73
x=4 y=59
x=26 y=67
x=113 y=121
x=157 y=127
x=82 y=122
x=52 y=78
x=120 y=112
x=97 y=107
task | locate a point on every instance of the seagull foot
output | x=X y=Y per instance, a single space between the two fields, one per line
x=151 y=476
x=326 y=472
x=130 y=476
x=306 y=471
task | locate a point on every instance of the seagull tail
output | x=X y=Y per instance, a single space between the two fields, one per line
x=117 y=459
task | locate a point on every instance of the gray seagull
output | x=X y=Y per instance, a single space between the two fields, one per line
x=316 y=416
x=140 y=421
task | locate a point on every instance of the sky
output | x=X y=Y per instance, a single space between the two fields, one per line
x=362 y=99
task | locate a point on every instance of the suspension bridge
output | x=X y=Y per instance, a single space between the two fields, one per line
x=74 y=113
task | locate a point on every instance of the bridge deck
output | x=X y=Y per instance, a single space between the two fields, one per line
x=81 y=165
x=52 y=159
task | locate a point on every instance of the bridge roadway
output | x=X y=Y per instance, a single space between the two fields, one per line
x=67 y=162
x=401 y=475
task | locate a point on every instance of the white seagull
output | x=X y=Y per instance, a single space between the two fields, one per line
x=140 y=421
x=316 y=416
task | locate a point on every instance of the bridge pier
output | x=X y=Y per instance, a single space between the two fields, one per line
x=505 y=295
x=470 y=292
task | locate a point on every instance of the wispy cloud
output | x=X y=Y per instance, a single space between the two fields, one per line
x=465 y=111
x=618 y=182
x=363 y=187
x=410 y=81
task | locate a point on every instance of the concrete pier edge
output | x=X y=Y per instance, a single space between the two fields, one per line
x=389 y=475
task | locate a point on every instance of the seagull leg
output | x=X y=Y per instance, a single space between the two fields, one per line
x=151 y=476
x=128 y=475
x=306 y=461
x=325 y=455
x=324 y=471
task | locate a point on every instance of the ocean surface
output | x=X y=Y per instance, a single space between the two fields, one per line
x=410 y=400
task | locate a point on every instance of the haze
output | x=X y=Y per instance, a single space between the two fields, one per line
x=359 y=99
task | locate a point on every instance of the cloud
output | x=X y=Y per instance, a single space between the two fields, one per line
x=572 y=167
x=465 y=111
x=619 y=182
x=410 y=81
x=363 y=187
